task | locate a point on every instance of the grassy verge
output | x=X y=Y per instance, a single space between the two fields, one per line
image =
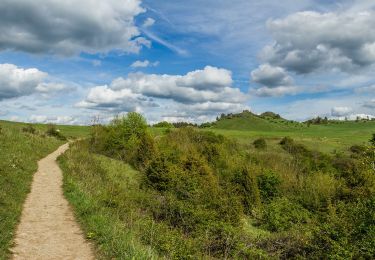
x=104 y=193
x=19 y=153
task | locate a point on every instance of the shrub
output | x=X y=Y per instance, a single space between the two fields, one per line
x=126 y=138
x=282 y=214
x=248 y=189
x=29 y=129
x=54 y=132
x=372 y=140
x=358 y=149
x=260 y=143
x=269 y=185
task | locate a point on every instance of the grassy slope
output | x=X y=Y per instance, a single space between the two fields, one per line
x=19 y=153
x=67 y=130
x=326 y=138
x=104 y=195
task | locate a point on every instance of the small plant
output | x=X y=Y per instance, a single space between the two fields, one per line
x=29 y=129
x=54 y=132
x=372 y=140
x=260 y=143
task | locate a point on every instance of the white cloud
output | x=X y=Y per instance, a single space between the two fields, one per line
x=144 y=64
x=17 y=82
x=60 y=120
x=148 y=22
x=69 y=27
x=275 y=82
x=197 y=93
x=310 y=41
x=370 y=104
x=271 y=76
x=341 y=111
x=366 y=89
x=275 y=91
x=210 y=84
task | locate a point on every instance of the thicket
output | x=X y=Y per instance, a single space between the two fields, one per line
x=207 y=185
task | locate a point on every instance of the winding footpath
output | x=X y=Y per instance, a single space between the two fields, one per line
x=48 y=229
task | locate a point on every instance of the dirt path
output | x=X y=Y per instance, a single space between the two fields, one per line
x=48 y=229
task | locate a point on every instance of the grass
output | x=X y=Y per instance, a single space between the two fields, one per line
x=325 y=138
x=19 y=153
x=69 y=131
x=104 y=194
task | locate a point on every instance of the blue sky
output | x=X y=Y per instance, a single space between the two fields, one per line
x=70 y=61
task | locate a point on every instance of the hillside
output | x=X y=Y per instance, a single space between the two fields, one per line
x=335 y=135
x=247 y=121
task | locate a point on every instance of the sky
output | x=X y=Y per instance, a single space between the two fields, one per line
x=68 y=62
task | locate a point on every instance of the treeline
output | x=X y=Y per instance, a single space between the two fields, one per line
x=300 y=204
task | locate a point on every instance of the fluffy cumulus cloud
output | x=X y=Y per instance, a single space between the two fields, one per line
x=61 y=120
x=209 y=90
x=311 y=41
x=144 y=64
x=341 y=111
x=274 y=81
x=17 y=82
x=69 y=27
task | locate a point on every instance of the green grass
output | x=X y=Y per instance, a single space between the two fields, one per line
x=19 y=153
x=103 y=193
x=325 y=138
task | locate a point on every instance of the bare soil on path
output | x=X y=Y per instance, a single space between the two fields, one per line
x=48 y=229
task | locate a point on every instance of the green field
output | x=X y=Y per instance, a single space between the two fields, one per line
x=19 y=153
x=336 y=135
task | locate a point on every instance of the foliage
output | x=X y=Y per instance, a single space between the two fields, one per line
x=260 y=143
x=204 y=192
x=54 y=132
x=29 y=129
x=164 y=124
x=269 y=185
x=282 y=214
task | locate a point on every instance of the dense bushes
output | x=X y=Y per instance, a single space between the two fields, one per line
x=204 y=185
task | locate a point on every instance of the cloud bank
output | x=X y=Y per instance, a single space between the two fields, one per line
x=69 y=27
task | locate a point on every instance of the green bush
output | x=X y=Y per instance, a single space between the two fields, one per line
x=260 y=143
x=269 y=185
x=282 y=214
x=29 y=129
x=54 y=132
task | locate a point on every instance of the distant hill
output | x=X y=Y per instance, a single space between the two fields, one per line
x=251 y=122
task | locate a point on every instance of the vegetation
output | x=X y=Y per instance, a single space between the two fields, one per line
x=260 y=143
x=193 y=194
x=21 y=146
